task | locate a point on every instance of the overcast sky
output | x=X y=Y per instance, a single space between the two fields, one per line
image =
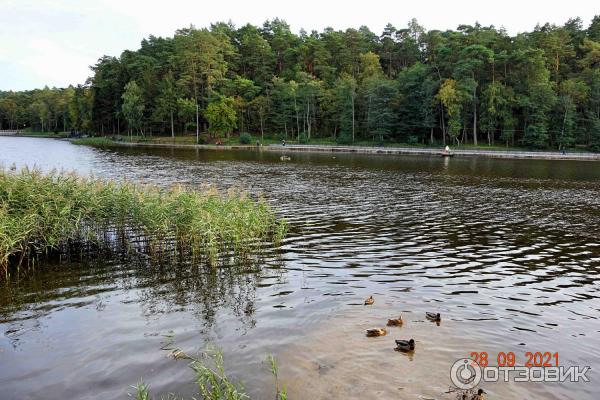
x=53 y=42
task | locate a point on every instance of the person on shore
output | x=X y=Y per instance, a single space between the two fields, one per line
x=447 y=149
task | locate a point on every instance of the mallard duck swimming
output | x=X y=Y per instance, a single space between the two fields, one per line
x=369 y=301
x=405 y=345
x=433 y=316
x=285 y=158
x=376 y=332
x=395 y=322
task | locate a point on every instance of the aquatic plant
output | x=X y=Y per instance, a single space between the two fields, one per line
x=99 y=141
x=142 y=391
x=280 y=393
x=211 y=378
x=41 y=214
x=212 y=382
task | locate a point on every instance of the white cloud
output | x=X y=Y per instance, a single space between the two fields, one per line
x=55 y=42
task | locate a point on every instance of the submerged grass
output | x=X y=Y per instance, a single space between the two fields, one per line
x=56 y=212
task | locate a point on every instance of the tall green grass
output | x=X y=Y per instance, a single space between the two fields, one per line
x=56 y=212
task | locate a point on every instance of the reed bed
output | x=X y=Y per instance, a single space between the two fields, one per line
x=94 y=141
x=41 y=214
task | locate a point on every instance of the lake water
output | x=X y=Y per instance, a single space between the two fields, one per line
x=508 y=251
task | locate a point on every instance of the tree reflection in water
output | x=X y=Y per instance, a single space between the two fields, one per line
x=202 y=290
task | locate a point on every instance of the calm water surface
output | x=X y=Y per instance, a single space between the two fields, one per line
x=508 y=251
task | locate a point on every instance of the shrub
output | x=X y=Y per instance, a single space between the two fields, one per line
x=412 y=139
x=344 y=138
x=302 y=138
x=245 y=138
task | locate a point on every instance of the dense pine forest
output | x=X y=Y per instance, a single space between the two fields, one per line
x=473 y=85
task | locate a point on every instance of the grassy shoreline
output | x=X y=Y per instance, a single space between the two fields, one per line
x=327 y=144
x=234 y=140
x=397 y=149
x=45 y=213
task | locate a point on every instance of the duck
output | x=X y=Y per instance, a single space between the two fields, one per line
x=405 y=345
x=480 y=395
x=433 y=316
x=376 y=332
x=369 y=301
x=395 y=321
x=285 y=158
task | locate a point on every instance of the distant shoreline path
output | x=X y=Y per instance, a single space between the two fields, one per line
x=508 y=154
x=547 y=155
